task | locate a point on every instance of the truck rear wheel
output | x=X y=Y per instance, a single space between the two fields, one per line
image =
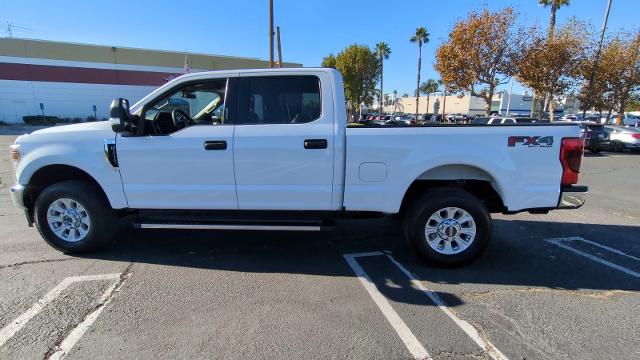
x=448 y=227
x=73 y=217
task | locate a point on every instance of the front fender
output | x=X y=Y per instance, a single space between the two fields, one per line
x=87 y=156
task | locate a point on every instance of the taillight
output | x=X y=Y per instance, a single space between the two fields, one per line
x=571 y=150
x=635 y=136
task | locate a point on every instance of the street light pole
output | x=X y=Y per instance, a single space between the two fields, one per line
x=270 y=33
x=595 y=62
x=279 y=47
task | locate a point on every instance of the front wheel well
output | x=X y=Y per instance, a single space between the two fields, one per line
x=481 y=189
x=53 y=174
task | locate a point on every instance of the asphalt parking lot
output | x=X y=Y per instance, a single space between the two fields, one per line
x=558 y=286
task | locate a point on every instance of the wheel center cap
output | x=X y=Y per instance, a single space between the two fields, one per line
x=71 y=218
x=448 y=229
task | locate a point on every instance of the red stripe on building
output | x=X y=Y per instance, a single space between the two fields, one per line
x=69 y=74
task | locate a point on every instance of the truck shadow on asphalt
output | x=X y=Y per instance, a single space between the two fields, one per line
x=518 y=255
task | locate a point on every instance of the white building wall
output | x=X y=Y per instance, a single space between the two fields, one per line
x=64 y=100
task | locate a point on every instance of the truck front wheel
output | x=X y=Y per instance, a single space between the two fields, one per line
x=448 y=227
x=73 y=217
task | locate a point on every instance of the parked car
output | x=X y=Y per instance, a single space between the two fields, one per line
x=499 y=120
x=627 y=120
x=596 y=138
x=623 y=137
x=371 y=120
x=281 y=157
x=571 y=117
x=398 y=121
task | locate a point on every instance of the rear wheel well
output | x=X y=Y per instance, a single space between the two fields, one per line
x=53 y=174
x=481 y=189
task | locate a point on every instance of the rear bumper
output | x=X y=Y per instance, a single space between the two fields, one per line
x=596 y=144
x=572 y=197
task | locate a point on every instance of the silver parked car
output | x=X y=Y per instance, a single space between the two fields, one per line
x=623 y=137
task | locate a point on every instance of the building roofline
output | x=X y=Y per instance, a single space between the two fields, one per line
x=130 y=48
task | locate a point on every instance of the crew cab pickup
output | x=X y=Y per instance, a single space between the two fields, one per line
x=271 y=150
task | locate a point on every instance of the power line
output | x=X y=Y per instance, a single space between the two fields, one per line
x=11 y=29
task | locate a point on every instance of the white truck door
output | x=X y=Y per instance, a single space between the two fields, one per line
x=284 y=142
x=182 y=163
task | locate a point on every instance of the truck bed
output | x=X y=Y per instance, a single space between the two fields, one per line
x=382 y=162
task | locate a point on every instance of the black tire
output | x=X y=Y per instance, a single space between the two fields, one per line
x=594 y=150
x=431 y=202
x=618 y=146
x=100 y=216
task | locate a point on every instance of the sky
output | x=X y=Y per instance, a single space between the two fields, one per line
x=310 y=29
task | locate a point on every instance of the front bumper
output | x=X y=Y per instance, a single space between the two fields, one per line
x=572 y=197
x=17 y=195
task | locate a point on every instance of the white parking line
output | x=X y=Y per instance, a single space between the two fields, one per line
x=401 y=328
x=560 y=242
x=67 y=344
x=13 y=327
x=410 y=341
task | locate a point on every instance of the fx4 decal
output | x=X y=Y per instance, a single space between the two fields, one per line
x=530 y=141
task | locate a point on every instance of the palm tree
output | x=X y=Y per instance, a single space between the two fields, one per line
x=427 y=88
x=382 y=51
x=555 y=5
x=421 y=36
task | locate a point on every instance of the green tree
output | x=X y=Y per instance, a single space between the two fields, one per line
x=383 y=52
x=428 y=87
x=329 y=61
x=360 y=68
x=421 y=36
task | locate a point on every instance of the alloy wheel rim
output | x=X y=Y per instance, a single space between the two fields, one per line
x=450 y=230
x=68 y=220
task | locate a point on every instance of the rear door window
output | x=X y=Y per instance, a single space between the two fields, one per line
x=292 y=99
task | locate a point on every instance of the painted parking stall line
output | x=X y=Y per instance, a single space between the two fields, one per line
x=408 y=338
x=564 y=244
x=18 y=323
x=398 y=324
x=72 y=338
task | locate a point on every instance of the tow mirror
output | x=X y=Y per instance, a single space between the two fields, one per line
x=121 y=119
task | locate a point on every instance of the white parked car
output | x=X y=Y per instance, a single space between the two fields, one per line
x=623 y=137
x=571 y=117
x=270 y=150
x=627 y=120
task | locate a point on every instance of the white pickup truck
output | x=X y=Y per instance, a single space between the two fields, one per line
x=271 y=150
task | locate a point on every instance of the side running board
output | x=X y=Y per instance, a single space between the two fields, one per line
x=251 y=226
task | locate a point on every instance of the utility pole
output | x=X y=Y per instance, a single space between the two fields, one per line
x=279 y=47
x=270 y=33
x=595 y=62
